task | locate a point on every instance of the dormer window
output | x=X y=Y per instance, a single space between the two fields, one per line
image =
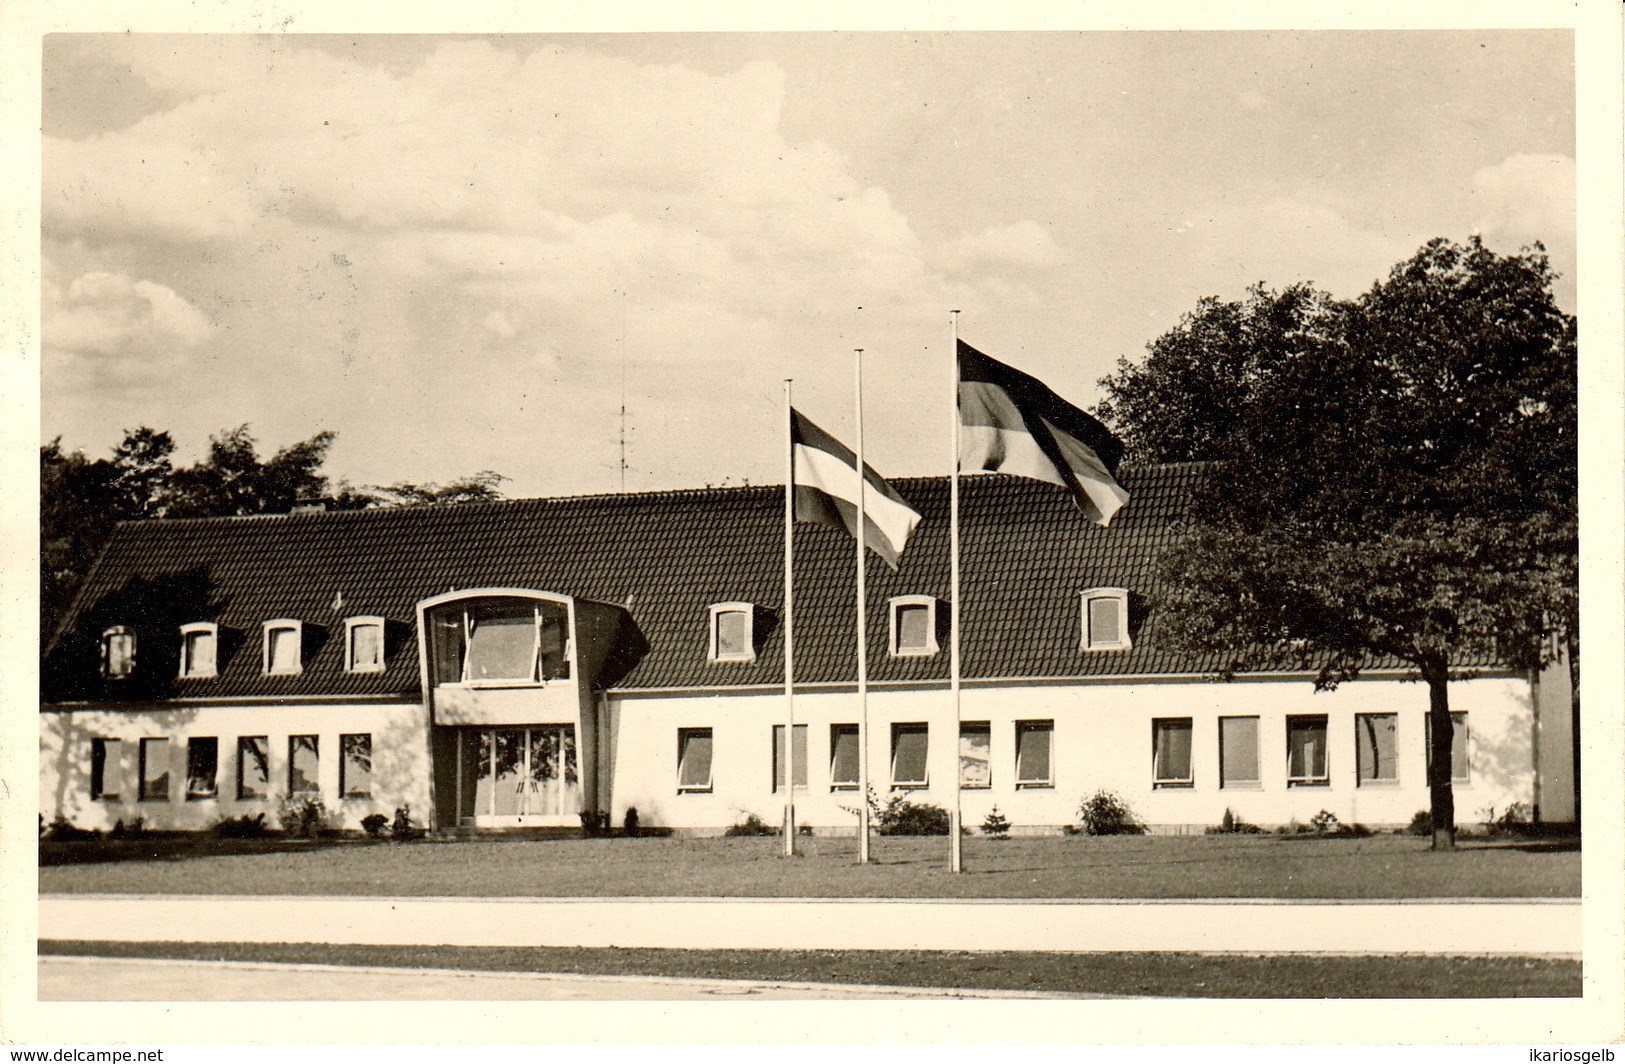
x=733 y=636
x=1105 y=619
x=284 y=643
x=364 y=644
x=118 y=653
x=495 y=641
x=199 y=642
x=913 y=626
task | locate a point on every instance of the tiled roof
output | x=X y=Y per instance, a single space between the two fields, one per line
x=665 y=556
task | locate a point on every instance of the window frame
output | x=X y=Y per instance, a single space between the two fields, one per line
x=350 y=626
x=894 y=609
x=1360 y=779
x=1257 y=780
x=101 y=763
x=189 y=669
x=898 y=730
x=835 y=732
x=713 y=629
x=1119 y=595
x=117 y=631
x=144 y=792
x=282 y=624
x=1459 y=723
x=1026 y=727
x=1325 y=778
x=196 y=743
x=804 y=733
x=1167 y=783
x=263 y=745
x=975 y=727
x=684 y=735
x=316 y=752
x=345 y=789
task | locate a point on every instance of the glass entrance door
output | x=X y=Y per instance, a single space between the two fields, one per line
x=518 y=777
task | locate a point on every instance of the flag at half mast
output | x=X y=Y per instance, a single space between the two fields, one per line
x=1012 y=423
x=826 y=482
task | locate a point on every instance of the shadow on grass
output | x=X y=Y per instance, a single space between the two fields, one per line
x=185 y=848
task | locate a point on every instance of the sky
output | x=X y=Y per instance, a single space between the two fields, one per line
x=463 y=253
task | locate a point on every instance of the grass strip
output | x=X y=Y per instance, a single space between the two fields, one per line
x=1137 y=974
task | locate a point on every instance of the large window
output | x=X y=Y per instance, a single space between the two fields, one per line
x=1306 y=752
x=1376 y=748
x=909 y=746
x=106 y=769
x=843 y=757
x=799 y=756
x=913 y=626
x=1034 y=740
x=355 y=766
x=304 y=765
x=975 y=755
x=284 y=642
x=118 y=653
x=1171 y=752
x=733 y=636
x=253 y=767
x=155 y=770
x=500 y=641
x=1238 y=752
x=1105 y=619
x=364 y=644
x=202 y=767
x=694 y=759
x=198 y=650
x=1460 y=770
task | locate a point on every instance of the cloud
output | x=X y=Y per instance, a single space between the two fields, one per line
x=121 y=329
x=1023 y=244
x=1525 y=198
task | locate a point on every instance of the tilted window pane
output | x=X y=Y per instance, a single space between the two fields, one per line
x=503 y=648
x=1238 y=749
x=908 y=759
x=694 y=759
x=975 y=755
x=843 y=757
x=1033 y=751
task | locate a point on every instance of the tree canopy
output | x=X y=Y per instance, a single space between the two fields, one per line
x=1394 y=477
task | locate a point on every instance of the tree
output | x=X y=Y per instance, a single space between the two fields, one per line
x=1402 y=489
x=232 y=481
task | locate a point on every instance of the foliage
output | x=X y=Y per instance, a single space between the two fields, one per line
x=1421 y=823
x=995 y=825
x=301 y=815
x=629 y=823
x=749 y=827
x=373 y=824
x=402 y=828
x=1411 y=476
x=1515 y=819
x=483 y=486
x=1104 y=813
x=903 y=817
x=61 y=830
x=240 y=827
x=1326 y=823
x=1231 y=824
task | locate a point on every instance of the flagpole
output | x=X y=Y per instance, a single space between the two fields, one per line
x=956 y=856
x=789 y=628
x=863 y=633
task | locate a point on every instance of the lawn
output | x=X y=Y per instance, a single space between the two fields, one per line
x=1136 y=974
x=1230 y=866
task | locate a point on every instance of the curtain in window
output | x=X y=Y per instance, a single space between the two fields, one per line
x=253 y=768
x=1105 y=621
x=303 y=765
x=1376 y=746
x=1238 y=750
x=366 y=646
x=908 y=754
x=843 y=755
x=1033 y=751
x=800 y=756
x=1306 y=748
x=284 y=650
x=731 y=634
x=200 y=653
x=975 y=755
x=119 y=651
x=447 y=632
x=913 y=627
x=694 y=759
x=1171 y=750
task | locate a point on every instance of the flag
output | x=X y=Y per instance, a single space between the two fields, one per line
x=825 y=472
x=1013 y=423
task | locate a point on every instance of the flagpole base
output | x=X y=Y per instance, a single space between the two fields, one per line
x=863 y=836
x=789 y=831
x=956 y=851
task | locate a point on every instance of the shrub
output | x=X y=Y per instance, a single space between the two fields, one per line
x=1326 y=823
x=60 y=830
x=1232 y=824
x=995 y=825
x=629 y=824
x=751 y=826
x=903 y=817
x=301 y=815
x=1421 y=823
x=402 y=828
x=1104 y=813
x=373 y=824
x=1514 y=820
x=594 y=823
x=240 y=827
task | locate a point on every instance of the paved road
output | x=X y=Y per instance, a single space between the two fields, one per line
x=1495 y=927
x=125 y=979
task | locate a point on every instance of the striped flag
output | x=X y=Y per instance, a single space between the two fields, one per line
x=1013 y=423
x=826 y=491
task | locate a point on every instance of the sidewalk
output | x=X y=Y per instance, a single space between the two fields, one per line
x=1517 y=927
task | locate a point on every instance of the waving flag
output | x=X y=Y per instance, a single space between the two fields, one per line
x=827 y=483
x=1013 y=423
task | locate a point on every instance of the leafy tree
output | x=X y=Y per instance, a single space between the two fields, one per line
x=233 y=481
x=1402 y=489
x=483 y=486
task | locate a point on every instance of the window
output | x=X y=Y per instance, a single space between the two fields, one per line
x=732 y=632
x=155 y=770
x=498 y=641
x=1460 y=768
x=913 y=626
x=909 y=744
x=284 y=643
x=253 y=766
x=694 y=759
x=1171 y=752
x=355 y=766
x=106 y=771
x=198 y=643
x=800 y=755
x=1306 y=752
x=202 y=767
x=118 y=653
x=1034 y=739
x=364 y=644
x=1238 y=752
x=1105 y=619
x=843 y=757
x=304 y=765
x=975 y=755
x=1376 y=753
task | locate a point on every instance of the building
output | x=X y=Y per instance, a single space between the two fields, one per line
x=520 y=663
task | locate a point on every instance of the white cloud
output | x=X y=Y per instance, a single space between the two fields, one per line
x=1525 y=198
x=120 y=329
x=1024 y=244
